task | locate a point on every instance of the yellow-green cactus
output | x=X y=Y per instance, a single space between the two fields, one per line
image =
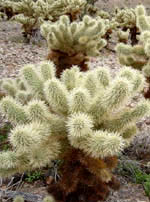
x=138 y=55
x=70 y=43
x=126 y=19
x=72 y=110
x=123 y=36
x=31 y=14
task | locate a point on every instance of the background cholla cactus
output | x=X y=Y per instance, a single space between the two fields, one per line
x=6 y=8
x=83 y=118
x=123 y=36
x=94 y=11
x=110 y=27
x=138 y=56
x=70 y=43
x=126 y=19
x=32 y=14
x=16 y=89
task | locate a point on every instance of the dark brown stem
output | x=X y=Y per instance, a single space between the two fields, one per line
x=64 y=61
x=82 y=178
x=134 y=33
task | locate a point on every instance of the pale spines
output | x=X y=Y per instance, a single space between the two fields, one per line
x=31 y=78
x=12 y=86
x=126 y=17
x=102 y=144
x=9 y=88
x=135 y=77
x=90 y=82
x=32 y=14
x=114 y=97
x=37 y=110
x=8 y=160
x=130 y=132
x=79 y=100
x=137 y=55
x=79 y=126
x=142 y=20
x=128 y=116
x=146 y=70
x=97 y=120
x=44 y=156
x=70 y=78
x=140 y=10
x=123 y=36
x=14 y=111
x=103 y=76
x=68 y=37
x=23 y=96
x=48 y=70
x=56 y=95
x=27 y=137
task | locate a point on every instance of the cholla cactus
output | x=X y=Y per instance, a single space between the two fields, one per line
x=123 y=36
x=94 y=11
x=6 y=9
x=32 y=14
x=82 y=118
x=138 y=56
x=16 y=89
x=71 y=43
x=126 y=19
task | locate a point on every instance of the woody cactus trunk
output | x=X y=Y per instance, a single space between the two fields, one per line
x=138 y=56
x=71 y=43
